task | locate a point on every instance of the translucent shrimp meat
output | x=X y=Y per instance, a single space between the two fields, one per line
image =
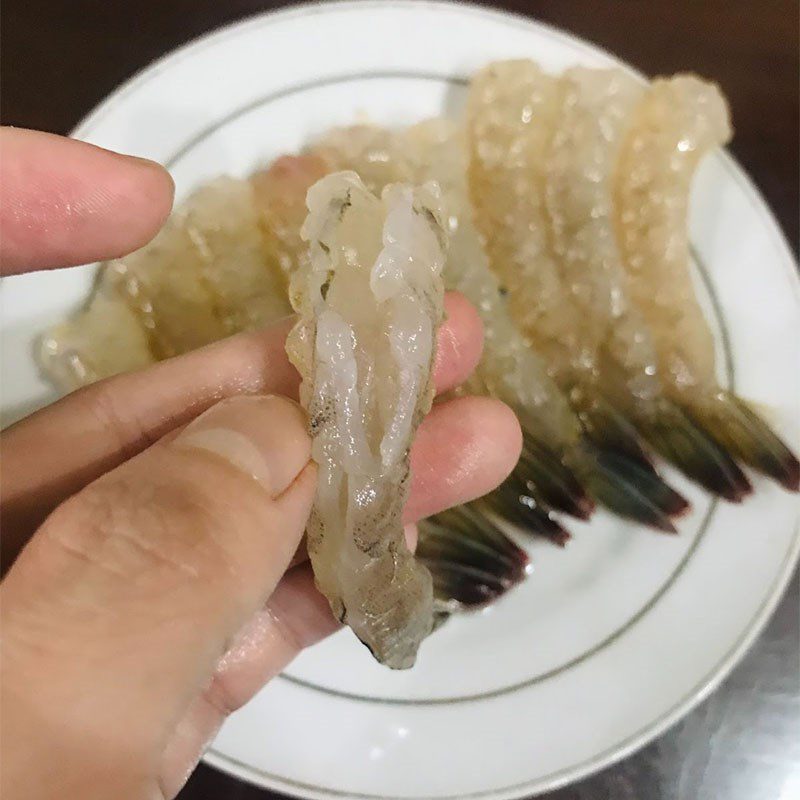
x=205 y=276
x=595 y=112
x=435 y=150
x=369 y=300
x=514 y=114
x=511 y=112
x=621 y=369
x=680 y=120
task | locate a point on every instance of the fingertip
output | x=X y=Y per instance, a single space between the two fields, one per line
x=131 y=196
x=499 y=436
x=151 y=189
x=459 y=344
x=464 y=448
x=67 y=202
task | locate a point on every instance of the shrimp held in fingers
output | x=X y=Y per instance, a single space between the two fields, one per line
x=369 y=300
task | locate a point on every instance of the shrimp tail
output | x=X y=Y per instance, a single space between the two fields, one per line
x=616 y=468
x=632 y=489
x=694 y=449
x=734 y=424
x=549 y=480
x=609 y=429
x=513 y=502
x=471 y=560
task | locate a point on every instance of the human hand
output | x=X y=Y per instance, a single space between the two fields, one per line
x=161 y=584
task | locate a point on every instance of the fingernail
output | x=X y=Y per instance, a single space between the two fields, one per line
x=141 y=160
x=264 y=437
x=146 y=163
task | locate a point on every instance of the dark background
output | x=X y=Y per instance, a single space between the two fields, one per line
x=59 y=58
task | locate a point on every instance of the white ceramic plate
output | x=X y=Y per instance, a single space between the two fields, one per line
x=608 y=643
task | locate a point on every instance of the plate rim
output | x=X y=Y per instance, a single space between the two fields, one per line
x=714 y=677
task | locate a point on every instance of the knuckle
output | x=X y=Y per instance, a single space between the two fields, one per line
x=222 y=696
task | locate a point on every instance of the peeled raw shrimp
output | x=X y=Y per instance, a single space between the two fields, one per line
x=618 y=353
x=578 y=169
x=280 y=197
x=471 y=561
x=205 y=275
x=513 y=110
x=509 y=369
x=679 y=121
x=370 y=300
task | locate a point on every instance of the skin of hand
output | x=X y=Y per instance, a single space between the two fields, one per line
x=152 y=523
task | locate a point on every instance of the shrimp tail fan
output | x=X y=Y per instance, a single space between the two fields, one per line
x=618 y=471
x=548 y=479
x=609 y=429
x=630 y=488
x=692 y=447
x=735 y=425
x=515 y=503
x=471 y=560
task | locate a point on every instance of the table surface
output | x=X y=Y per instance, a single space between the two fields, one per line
x=58 y=59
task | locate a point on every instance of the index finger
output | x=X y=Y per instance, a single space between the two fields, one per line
x=66 y=202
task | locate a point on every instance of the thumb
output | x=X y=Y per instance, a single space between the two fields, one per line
x=123 y=602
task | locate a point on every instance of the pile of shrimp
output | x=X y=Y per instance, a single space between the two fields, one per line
x=566 y=200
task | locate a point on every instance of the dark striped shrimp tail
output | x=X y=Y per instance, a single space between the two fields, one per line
x=609 y=429
x=471 y=560
x=513 y=502
x=548 y=479
x=694 y=449
x=630 y=489
x=747 y=437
